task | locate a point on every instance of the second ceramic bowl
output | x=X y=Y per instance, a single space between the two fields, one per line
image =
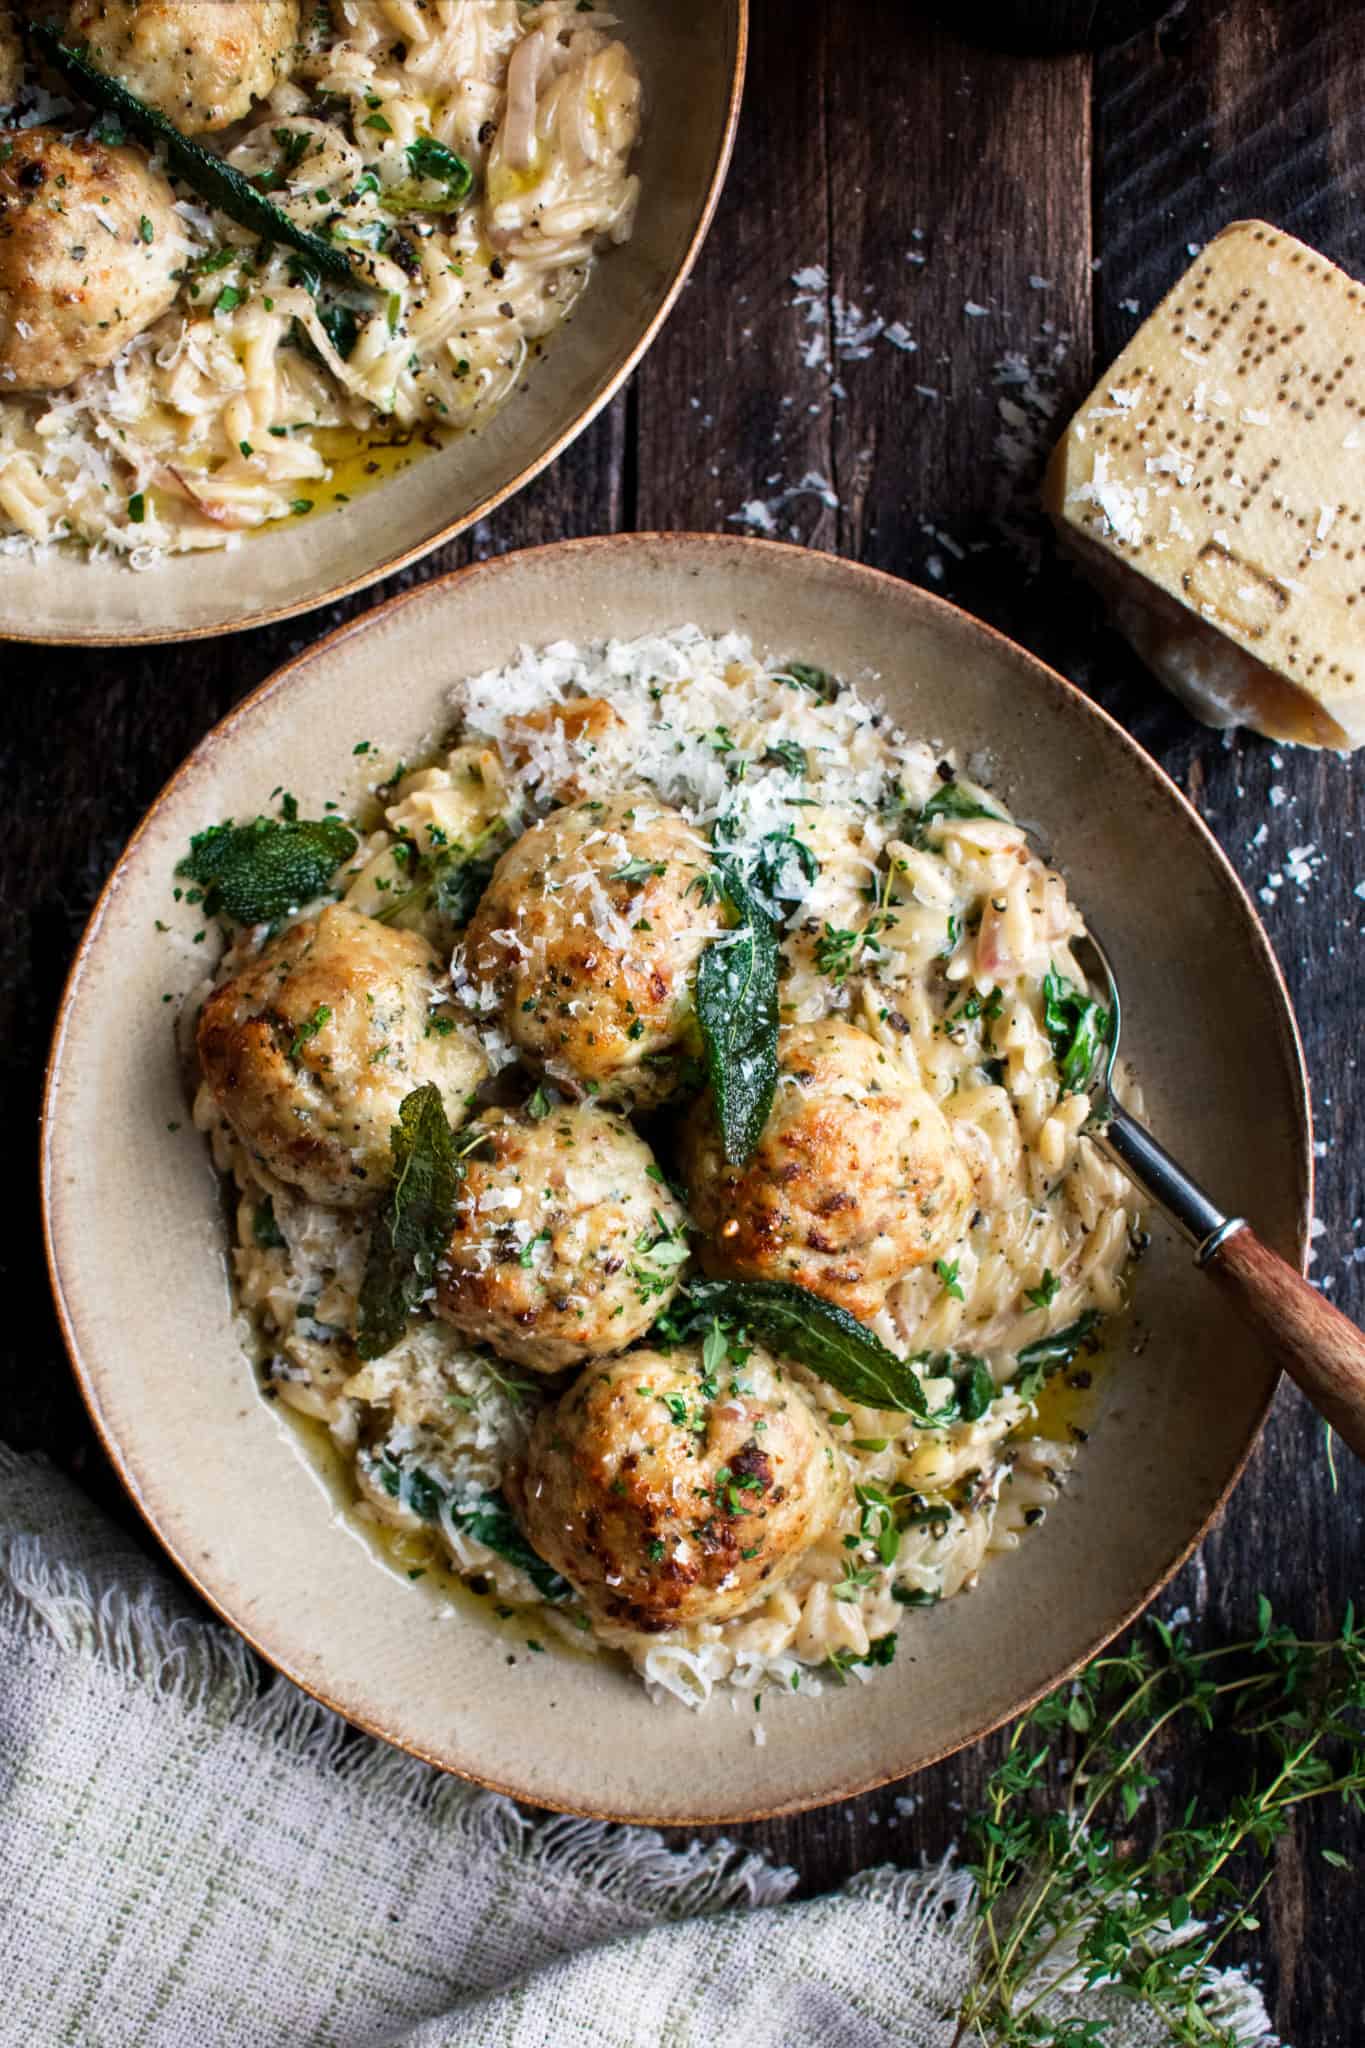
x=691 y=60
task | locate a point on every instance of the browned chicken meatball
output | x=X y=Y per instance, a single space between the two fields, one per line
x=586 y=942
x=567 y=1242
x=668 y=1495
x=90 y=246
x=855 y=1179
x=201 y=61
x=310 y=1050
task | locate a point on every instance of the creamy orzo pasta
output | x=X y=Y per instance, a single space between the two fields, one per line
x=590 y=1403
x=169 y=377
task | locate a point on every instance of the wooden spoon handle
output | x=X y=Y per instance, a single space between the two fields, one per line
x=1313 y=1341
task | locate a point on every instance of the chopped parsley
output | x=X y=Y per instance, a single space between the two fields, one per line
x=1045 y=1293
x=947 y=1272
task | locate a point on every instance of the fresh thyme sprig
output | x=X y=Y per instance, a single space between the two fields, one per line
x=1095 y=1893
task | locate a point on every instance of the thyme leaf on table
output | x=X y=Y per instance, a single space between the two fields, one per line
x=1099 y=1891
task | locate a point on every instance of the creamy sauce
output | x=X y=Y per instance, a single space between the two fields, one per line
x=358 y=458
x=1066 y=1410
x=1063 y=1406
x=417 y=1557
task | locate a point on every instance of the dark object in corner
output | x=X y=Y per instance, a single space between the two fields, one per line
x=1043 y=27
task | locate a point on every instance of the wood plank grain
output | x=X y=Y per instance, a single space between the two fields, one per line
x=1212 y=115
x=726 y=420
x=861 y=127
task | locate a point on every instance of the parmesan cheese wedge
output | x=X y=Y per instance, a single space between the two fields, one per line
x=1213 y=487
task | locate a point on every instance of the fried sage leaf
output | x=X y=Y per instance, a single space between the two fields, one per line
x=261 y=870
x=209 y=175
x=737 y=1010
x=801 y=1325
x=413 y=1227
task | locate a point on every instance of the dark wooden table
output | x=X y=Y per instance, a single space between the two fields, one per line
x=1016 y=214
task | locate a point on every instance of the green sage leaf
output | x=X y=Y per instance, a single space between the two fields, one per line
x=737 y=1010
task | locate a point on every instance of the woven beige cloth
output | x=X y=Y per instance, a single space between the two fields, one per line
x=193 y=1856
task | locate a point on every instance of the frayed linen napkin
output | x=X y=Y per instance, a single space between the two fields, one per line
x=195 y=1855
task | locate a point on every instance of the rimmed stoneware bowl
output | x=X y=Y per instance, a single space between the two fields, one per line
x=691 y=58
x=137 y=1238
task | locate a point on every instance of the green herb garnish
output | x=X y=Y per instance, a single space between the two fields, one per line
x=1045 y=1293
x=946 y=1272
x=261 y=870
x=638 y=869
x=953 y=801
x=802 y=1325
x=1046 y=1355
x=1092 y=1886
x=309 y=1029
x=737 y=1010
x=413 y=1228
x=1078 y=1027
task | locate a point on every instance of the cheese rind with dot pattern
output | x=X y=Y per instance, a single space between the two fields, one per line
x=1213 y=486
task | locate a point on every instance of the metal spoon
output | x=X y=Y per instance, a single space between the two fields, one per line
x=1317 y=1346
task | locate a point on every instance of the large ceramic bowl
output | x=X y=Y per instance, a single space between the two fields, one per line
x=137 y=1237
x=691 y=59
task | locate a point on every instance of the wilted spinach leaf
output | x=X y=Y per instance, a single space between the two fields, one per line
x=1078 y=1027
x=953 y=801
x=781 y=864
x=489 y=1520
x=803 y=675
x=430 y=160
x=976 y=1388
x=1039 y=1360
x=457 y=885
x=484 y=1516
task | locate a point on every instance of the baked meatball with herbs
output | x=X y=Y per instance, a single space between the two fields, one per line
x=202 y=62
x=586 y=943
x=567 y=1242
x=91 y=251
x=855 y=1179
x=669 y=1493
x=311 y=1048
